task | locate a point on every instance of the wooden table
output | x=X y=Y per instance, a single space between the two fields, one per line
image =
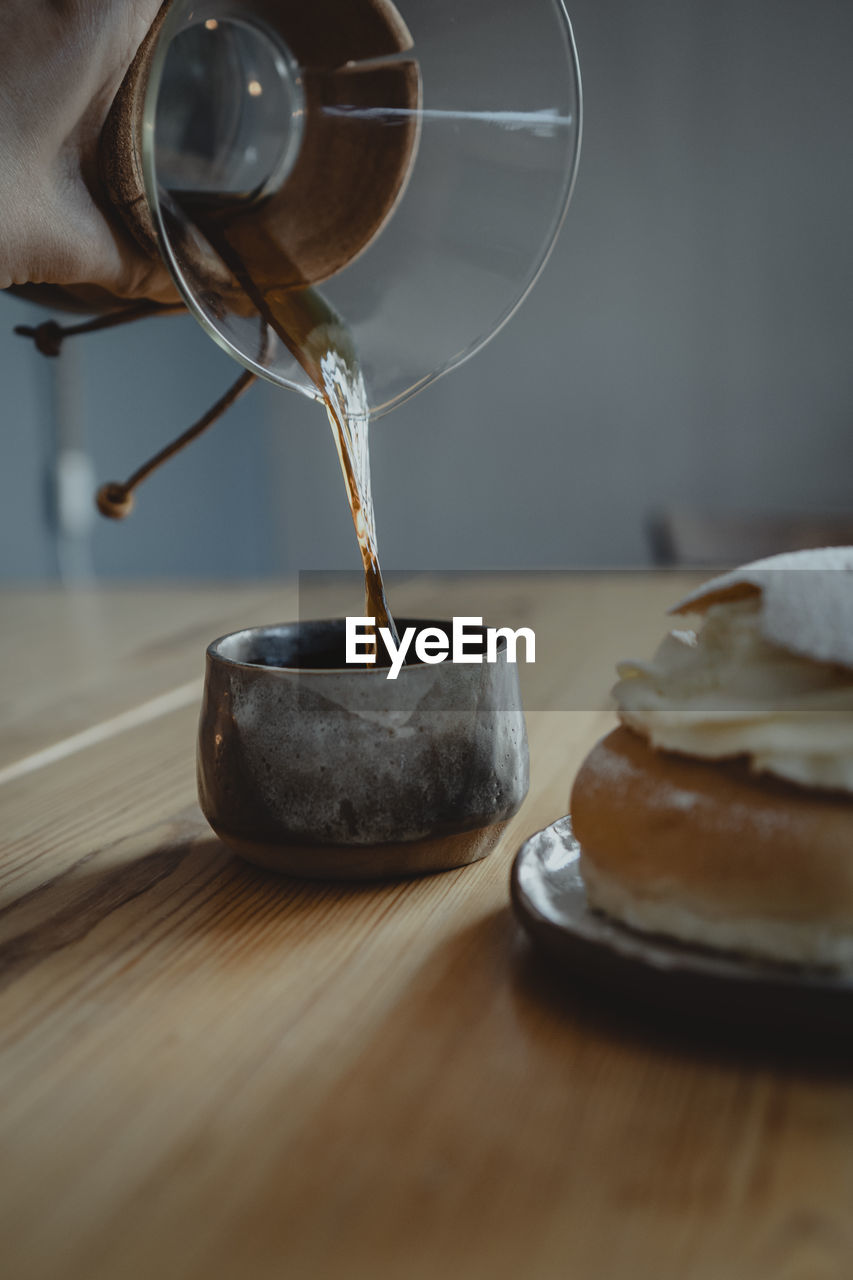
x=211 y=1072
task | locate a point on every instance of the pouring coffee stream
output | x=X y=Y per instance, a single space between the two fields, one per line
x=319 y=340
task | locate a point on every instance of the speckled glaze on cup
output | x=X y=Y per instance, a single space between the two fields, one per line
x=339 y=773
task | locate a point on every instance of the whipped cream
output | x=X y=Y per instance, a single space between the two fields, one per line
x=728 y=691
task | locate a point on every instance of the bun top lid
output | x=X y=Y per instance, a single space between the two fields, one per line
x=806 y=601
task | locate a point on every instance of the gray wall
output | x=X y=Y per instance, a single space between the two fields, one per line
x=688 y=343
x=125 y=393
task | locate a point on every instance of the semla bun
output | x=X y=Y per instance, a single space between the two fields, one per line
x=707 y=850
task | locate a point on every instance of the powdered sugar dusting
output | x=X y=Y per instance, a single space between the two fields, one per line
x=616 y=769
x=806 y=601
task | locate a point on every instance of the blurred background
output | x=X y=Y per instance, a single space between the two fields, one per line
x=678 y=387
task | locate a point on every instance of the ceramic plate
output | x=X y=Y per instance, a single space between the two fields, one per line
x=549 y=898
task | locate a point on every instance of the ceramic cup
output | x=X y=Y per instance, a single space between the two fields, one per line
x=315 y=769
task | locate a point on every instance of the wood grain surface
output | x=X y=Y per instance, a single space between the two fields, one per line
x=207 y=1071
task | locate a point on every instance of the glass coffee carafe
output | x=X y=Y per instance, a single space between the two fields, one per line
x=410 y=167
